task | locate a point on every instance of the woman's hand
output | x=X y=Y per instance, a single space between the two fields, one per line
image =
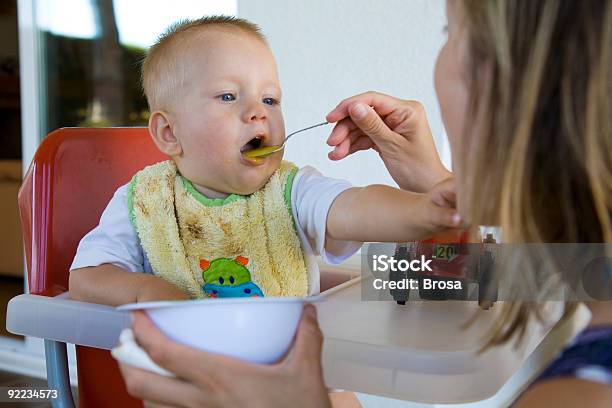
x=397 y=129
x=211 y=380
x=432 y=213
x=444 y=195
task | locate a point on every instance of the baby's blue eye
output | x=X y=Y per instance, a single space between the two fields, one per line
x=270 y=101
x=227 y=97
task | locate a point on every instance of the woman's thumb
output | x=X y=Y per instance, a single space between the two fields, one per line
x=366 y=119
x=309 y=339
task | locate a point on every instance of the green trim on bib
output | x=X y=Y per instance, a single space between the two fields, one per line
x=209 y=202
x=130 y=199
x=288 y=188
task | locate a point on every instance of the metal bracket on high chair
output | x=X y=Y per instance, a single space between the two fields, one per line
x=58 y=377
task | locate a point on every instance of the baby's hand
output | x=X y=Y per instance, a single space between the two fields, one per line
x=158 y=289
x=437 y=210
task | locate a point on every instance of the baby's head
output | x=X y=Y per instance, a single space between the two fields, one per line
x=213 y=92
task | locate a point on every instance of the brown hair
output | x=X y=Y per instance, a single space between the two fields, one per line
x=542 y=164
x=161 y=70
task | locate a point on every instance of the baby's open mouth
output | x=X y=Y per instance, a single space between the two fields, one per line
x=252 y=144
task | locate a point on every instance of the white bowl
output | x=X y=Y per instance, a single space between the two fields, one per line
x=259 y=330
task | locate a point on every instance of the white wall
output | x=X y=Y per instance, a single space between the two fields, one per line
x=331 y=49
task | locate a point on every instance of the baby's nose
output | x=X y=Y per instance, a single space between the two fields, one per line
x=256 y=112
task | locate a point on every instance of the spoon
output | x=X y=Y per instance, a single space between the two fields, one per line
x=265 y=151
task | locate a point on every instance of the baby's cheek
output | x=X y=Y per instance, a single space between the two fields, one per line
x=226 y=164
x=274 y=163
x=219 y=155
x=212 y=162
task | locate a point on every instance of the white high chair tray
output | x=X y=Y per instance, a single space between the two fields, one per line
x=419 y=351
x=416 y=352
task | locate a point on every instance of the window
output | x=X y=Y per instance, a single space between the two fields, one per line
x=91 y=56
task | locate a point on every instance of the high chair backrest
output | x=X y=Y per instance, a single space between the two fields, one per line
x=73 y=175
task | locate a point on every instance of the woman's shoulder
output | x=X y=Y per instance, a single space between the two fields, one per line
x=566 y=392
x=588 y=357
x=580 y=376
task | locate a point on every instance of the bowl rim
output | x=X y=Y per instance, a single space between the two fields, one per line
x=224 y=301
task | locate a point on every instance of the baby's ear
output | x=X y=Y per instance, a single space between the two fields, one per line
x=160 y=129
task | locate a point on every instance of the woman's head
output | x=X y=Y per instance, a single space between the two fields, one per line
x=525 y=90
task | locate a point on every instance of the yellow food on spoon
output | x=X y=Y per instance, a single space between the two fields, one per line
x=259 y=152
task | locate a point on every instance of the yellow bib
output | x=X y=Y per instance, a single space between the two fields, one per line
x=237 y=246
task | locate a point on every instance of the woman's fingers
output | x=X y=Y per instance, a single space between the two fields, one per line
x=184 y=361
x=303 y=365
x=445 y=198
x=347 y=146
x=361 y=143
x=365 y=112
x=450 y=197
x=445 y=217
x=341 y=150
x=341 y=131
x=365 y=121
x=308 y=341
x=339 y=138
x=443 y=201
x=443 y=194
x=372 y=125
x=150 y=404
x=376 y=116
x=383 y=104
x=159 y=389
x=161 y=349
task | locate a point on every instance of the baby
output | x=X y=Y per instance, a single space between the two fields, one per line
x=212 y=222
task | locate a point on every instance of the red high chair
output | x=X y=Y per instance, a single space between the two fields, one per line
x=73 y=175
x=71 y=179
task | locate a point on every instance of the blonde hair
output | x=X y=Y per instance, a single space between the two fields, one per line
x=542 y=164
x=162 y=69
